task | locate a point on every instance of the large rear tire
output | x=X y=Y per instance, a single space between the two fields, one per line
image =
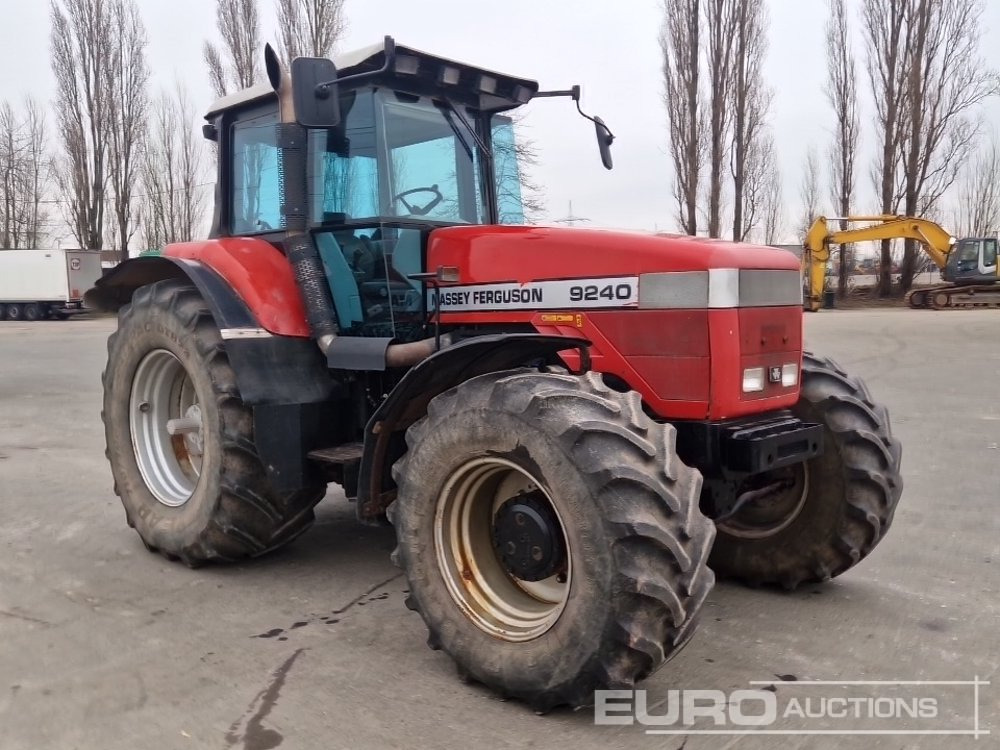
x=833 y=509
x=200 y=494
x=626 y=543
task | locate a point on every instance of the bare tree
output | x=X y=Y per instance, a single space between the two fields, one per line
x=772 y=207
x=947 y=79
x=978 y=210
x=809 y=190
x=842 y=93
x=309 y=28
x=35 y=172
x=749 y=103
x=526 y=156
x=127 y=103
x=719 y=24
x=761 y=172
x=11 y=156
x=885 y=27
x=173 y=199
x=23 y=174
x=80 y=39
x=679 y=41
x=238 y=22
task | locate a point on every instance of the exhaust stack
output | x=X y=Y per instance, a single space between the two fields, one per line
x=302 y=253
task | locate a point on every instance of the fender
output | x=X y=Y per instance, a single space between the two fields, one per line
x=259 y=273
x=256 y=271
x=283 y=377
x=407 y=402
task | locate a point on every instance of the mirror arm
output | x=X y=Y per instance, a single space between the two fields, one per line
x=323 y=89
x=574 y=94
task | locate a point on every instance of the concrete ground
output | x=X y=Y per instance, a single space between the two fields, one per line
x=103 y=645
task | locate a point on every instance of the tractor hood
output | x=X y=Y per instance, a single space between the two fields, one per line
x=486 y=254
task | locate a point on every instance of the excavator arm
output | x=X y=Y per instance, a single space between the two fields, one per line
x=933 y=238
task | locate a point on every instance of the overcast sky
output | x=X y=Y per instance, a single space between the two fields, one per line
x=610 y=48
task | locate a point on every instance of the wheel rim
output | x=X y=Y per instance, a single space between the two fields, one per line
x=772 y=511
x=478 y=579
x=166 y=426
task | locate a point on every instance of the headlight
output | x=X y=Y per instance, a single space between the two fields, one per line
x=789 y=375
x=753 y=379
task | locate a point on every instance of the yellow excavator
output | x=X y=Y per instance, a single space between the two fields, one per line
x=968 y=266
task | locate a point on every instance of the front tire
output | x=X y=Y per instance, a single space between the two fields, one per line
x=833 y=509
x=621 y=510
x=180 y=439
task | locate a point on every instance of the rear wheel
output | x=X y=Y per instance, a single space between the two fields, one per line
x=180 y=440
x=550 y=535
x=33 y=311
x=15 y=311
x=815 y=520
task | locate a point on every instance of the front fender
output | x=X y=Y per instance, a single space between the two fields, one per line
x=442 y=370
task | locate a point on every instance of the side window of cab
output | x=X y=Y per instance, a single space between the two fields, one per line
x=256 y=199
x=990 y=253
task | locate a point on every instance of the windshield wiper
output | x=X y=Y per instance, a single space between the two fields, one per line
x=448 y=109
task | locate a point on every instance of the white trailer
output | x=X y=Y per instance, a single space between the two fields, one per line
x=36 y=284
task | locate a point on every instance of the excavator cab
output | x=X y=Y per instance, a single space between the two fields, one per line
x=972 y=261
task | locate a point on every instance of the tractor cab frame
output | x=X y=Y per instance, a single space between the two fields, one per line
x=396 y=143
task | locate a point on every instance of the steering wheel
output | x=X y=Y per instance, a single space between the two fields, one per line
x=419 y=210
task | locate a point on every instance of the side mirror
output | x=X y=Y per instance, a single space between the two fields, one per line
x=315 y=93
x=604 y=141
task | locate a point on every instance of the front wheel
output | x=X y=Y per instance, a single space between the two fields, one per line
x=814 y=520
x=550 y=535
x=180 y=439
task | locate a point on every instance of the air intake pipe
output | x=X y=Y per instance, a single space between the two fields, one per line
x=301 y=250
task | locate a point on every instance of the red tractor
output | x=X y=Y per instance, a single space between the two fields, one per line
x=569 y=429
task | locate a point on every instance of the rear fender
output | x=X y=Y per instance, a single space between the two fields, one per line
x=283 y=377
x=407 y=403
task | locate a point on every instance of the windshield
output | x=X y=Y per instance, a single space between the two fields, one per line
x=395 y=156
x=968 y=250
x=510 y=208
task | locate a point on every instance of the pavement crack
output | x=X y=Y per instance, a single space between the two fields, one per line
x=249 y=728
x=26 y=618
x=361 y=599
x=369 y=592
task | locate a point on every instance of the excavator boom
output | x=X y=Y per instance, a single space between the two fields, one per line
x=935 y=240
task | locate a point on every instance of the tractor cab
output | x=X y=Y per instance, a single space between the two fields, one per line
x=397 y=143
x=972 y=261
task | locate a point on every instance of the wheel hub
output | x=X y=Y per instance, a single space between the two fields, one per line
x=528 y=537
x=767 y=504
x=165 y=421
x=502 y=549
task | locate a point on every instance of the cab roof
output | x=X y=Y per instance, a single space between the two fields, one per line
x=416 y=71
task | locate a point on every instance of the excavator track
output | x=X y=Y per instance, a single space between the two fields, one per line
x=947 y=296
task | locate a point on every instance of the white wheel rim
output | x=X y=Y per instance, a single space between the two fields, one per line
x=163 y=397
x=498 y=603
